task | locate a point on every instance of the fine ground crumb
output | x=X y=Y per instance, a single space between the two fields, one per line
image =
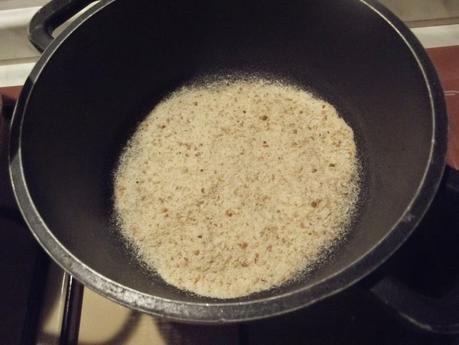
x=236 y=186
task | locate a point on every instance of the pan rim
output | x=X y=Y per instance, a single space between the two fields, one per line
x=231 y=311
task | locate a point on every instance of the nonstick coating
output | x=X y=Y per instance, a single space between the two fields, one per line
x=98 y=79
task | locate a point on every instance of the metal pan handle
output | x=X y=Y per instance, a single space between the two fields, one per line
x=437 y=315
x=49 y=17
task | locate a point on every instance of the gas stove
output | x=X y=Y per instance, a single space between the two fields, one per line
x=42 y=305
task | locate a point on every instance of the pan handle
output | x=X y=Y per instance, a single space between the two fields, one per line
x=437 y=315
x=49 y=17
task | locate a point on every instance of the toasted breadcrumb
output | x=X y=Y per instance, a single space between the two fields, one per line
x=236 y=186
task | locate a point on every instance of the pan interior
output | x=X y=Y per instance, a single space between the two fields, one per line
x=107 y=74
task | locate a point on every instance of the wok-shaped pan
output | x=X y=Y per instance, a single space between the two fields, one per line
x=100 y=77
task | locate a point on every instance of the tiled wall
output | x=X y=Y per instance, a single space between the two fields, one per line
x=12 y=4
x=417 y=10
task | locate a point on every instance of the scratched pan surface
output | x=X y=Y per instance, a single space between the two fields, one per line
x=100 y=77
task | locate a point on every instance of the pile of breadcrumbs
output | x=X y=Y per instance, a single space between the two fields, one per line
x=237 y=185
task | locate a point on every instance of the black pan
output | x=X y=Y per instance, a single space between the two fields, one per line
x=100 y=77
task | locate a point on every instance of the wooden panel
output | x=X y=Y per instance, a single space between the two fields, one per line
x=446 y=61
